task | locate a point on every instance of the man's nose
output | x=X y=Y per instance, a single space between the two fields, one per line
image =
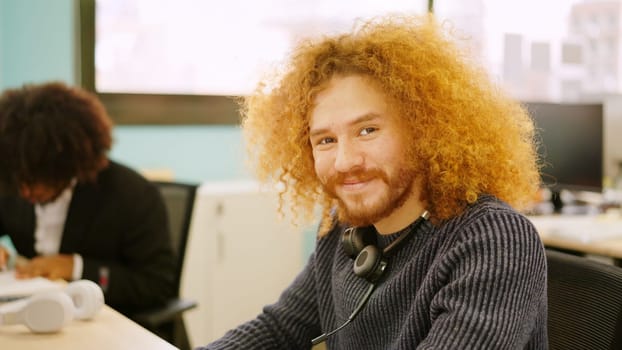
x=348 y=157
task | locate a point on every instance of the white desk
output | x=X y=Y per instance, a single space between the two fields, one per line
x=586 y=234
x=108 y=330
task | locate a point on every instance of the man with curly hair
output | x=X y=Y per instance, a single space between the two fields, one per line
x=72 y=212
x=418 y=164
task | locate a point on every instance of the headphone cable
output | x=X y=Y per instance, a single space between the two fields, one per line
x=358 y=309
x=389 y=249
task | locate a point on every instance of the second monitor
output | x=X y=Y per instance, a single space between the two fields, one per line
x=571 y=146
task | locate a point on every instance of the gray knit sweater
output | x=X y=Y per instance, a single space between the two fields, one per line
x=477 y=281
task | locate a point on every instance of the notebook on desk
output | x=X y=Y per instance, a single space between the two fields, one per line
x=12 y=288
x=580 y=228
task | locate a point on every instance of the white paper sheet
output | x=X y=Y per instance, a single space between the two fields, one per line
x=11 y=287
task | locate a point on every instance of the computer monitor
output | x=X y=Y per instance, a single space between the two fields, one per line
x=571 y=146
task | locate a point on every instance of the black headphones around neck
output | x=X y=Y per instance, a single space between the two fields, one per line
x=369 y=261
x=360 y=244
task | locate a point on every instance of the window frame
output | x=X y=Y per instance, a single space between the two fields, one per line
x=158 y=109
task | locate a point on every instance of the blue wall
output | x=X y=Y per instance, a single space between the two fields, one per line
x=36 y=41
x=193 y=153
x=37 y=44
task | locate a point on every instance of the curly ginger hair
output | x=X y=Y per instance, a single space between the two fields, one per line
x=468 y=137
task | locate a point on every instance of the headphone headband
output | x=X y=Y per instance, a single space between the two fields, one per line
x=402 y=238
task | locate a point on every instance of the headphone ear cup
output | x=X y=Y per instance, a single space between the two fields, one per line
x=47 y=312
x=370 y=263
x=354 y=240
x=87 y=298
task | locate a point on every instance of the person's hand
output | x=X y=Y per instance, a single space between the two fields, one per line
x=4 y=258
x=52 y=267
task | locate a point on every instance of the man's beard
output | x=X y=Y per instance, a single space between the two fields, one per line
x=356 y=212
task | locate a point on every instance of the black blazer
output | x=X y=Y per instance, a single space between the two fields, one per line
x=118 y=223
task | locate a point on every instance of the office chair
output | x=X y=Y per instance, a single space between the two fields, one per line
x=584 y=303
x=167 y=322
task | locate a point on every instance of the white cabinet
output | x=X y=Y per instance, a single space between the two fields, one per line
x=239 y=257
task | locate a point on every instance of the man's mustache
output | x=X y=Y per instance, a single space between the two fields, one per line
x=341 y=178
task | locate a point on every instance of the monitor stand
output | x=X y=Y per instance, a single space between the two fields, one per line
x=570 y=206
x=556 y=199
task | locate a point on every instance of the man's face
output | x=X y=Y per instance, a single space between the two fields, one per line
x=39 y=193
x=358 y=152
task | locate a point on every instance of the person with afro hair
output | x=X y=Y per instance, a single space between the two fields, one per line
x=68 y=210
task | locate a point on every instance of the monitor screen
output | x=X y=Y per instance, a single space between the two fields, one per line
x=571 y=145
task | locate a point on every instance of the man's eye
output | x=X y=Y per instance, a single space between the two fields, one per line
x=367 y=131
x=326 y=140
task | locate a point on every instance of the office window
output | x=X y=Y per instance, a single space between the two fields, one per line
x=171 y=62
x=505 y=34
x=208 y=48
x=152 y=54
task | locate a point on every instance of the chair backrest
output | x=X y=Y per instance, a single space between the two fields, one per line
x=179 y=202
x=584 y=303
